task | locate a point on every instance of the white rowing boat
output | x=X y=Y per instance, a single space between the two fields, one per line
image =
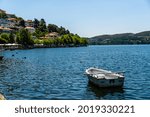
x=104 y=78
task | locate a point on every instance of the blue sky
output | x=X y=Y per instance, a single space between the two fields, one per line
x=86 y=17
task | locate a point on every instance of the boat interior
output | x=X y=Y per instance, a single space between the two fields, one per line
x=100 y=73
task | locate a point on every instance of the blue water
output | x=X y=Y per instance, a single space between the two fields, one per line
x=58 y=73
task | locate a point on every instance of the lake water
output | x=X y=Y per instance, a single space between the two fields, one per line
x=58 y=73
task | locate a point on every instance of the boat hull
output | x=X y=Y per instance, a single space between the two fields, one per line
x=106 y=82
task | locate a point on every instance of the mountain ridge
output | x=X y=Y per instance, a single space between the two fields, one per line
x=122 y=38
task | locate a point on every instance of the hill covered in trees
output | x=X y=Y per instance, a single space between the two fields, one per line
x=124 y=38
x=15 y=29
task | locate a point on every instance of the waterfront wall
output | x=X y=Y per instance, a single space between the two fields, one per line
x=10 y=46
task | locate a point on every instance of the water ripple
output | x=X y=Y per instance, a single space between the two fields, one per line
x=57 y=73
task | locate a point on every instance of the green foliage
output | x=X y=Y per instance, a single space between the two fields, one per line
x=22 y=23
x=48 y=42
x=66 y=40
x=3 y=41
x=13 y=16
x=24 y=38
x=52 y=28
x=3 y=15
x=36 y=23
x=55 y=28
x=63 y=31
x=38 y=33
x=5 y=36
x=121 y=40
x=19 y=18
x=42 y=27
x=11 y=38
x=125 y=38
x=38 y=41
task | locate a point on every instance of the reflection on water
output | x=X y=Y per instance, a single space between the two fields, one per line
x=104 y=93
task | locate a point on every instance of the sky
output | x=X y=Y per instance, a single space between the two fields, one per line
x=87 y=18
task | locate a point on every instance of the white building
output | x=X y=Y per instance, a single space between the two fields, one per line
x=8 y=22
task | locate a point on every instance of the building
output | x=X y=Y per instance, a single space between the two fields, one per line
x=29 y=23
x=5 y=30
x=30 y=29
x=52 y=35
x=4 y=22
x=10 y=22
x=13 y=20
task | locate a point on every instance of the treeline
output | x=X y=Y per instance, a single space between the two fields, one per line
x=7 y=38
x=25 y=38
x=65 y=40
x=41 y=28
x=122 y=39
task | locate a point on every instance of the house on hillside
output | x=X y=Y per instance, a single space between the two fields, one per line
x=4 y=22
x=13 y=20
x=29 y=23
x=5 y=30
x=30 y=29
x=10 y=22
x=52 y=35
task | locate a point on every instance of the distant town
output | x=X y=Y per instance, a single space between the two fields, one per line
x=35 y=33
x=10 y=23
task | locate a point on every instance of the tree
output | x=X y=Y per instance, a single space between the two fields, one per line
x=24 y=38
x=19 y=18
x=3 y=41
x=42 y=26
x=42 y=22
x=11 y=38
x=36 y=23
x=22 y=23
x=38 y=41
x=5 y=36
x=3 y=15
x=13 y=16
x=52 y=28
x=38 y=33
x=48 y=42
x=63 y=31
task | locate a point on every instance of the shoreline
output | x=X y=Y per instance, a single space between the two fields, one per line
x=12 y=47
x=21 y=47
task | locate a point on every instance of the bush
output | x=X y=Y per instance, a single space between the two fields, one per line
x=3 y=41
x=38 y=41
x=24 y=38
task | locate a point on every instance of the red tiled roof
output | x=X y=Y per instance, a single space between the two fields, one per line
x=12 y=19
